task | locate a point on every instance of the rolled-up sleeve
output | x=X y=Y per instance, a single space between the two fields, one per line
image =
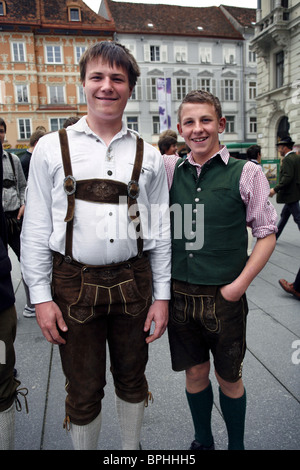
x=261 y=215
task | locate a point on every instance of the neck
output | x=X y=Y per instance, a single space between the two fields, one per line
x=105 y=129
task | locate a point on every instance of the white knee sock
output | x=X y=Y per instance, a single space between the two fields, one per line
x=7 y=428
x=130 y=419
x=86 y=437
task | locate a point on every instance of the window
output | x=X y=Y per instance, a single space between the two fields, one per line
x=155 y=125
x=74 y=14
x=252 y=90
x=81 y=95
x=180 y=53
x=229 y=55
x=151 y=89
x=2 y=9
x=56 y=124
x=24 y=128
x=253 y=125
x=251 y=57
x=279 y=69
x=53 y=55
x=56 y=94
x=22 y=93
x=205 y=55
x=230 y=124
x=229 y=89
x=204 y=84
x=153 y=53
x=132 y=123
x=79 y=50
x=18 y=52
x=137 y=91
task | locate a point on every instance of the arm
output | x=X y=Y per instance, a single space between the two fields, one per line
x=160 y=256
x=36 y=256
x=261 y=216
x=258 y=259
x=286 y=176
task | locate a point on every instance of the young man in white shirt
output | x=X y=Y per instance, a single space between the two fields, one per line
x=102 y=277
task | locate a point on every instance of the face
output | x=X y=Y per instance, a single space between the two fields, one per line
x=2 y=134
x=107 y=91
x=281 y=150
x=172 y=149
x=200 y=127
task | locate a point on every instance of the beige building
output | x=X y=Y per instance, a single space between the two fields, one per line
x=277 y=46
x=41 y=42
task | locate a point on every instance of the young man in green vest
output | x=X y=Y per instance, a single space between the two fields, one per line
x=213 y=198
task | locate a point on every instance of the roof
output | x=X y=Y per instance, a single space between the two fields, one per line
x=171 y=20
x=52 y=14
x=245 y=16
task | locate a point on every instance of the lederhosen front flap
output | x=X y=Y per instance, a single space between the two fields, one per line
x=100 y=190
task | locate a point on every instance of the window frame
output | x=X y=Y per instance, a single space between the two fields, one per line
x=134 y=124
x=24 y=91
x=56 y=88
x=16 y=53
x=27 y=128
x=53 y=62
x=230 y=124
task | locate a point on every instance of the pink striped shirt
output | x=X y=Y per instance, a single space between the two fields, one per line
x=261 y=215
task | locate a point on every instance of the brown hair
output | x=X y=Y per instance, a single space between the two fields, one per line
x=201 y=96
x=113 y=53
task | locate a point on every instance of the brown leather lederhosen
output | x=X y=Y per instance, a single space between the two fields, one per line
x=102 y=303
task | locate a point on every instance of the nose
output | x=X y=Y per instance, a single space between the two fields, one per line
x=106 y=84
x=198 y=126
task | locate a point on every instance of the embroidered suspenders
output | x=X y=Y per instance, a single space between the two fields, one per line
x=100 y=190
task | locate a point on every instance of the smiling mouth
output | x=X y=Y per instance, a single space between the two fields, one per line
x=202 y=139
x=105 y=98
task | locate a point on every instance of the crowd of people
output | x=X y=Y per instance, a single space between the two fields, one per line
x=99 y=268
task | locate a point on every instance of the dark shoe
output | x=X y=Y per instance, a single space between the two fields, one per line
x=195 y=445
x=289 y=287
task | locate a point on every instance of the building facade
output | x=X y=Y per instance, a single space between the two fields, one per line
x=188 y=48
x=41 y=42
x=276 y=44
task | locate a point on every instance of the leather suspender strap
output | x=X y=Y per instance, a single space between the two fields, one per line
x=70 y=188
x=101 y=190
x=133 y=192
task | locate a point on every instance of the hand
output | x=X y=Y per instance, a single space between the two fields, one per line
x=49 y=316
x=230 y=293
x=159 y=313
x=272 y=192
x=21 y=212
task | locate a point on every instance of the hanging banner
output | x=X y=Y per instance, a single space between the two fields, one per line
x=164 y=102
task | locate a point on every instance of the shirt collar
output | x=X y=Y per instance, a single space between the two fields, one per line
x=223 y=152
x=82 y=126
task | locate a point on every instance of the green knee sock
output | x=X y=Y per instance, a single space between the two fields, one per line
x=201 y=406
x=234 y=413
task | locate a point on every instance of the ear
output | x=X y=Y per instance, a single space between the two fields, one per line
x=179 y=128
x=222 y=125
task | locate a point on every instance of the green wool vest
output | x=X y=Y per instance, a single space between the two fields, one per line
x=208 y=217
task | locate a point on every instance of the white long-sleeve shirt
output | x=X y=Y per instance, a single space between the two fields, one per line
x=102 y=233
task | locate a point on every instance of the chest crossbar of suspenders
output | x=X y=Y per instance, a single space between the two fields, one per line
x=100 y=190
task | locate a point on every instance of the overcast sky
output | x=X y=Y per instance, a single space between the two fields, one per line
x=94 y=4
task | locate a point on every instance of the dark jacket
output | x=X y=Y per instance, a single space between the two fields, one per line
x=7 y=298
x=288 y=188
